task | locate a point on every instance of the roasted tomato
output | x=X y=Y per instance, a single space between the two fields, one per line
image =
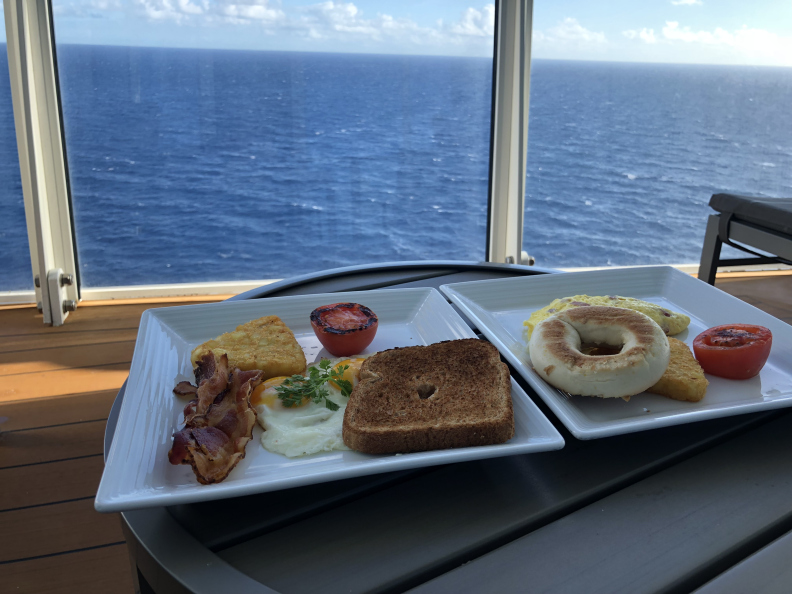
x=733 y=351
x=344 y=329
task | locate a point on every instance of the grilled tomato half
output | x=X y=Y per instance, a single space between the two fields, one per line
x=344 y=329
x=733 y=351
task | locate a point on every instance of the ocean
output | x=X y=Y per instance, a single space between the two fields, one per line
x=201 y=165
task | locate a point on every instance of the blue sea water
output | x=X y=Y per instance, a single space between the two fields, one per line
x=196 y=165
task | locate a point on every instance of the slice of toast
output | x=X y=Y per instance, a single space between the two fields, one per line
x=684 y=378
x=450 y=394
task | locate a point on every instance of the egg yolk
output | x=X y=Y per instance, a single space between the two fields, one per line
x=266 y=394
x=352 y=371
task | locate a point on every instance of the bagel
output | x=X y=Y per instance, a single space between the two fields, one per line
x=555 y=351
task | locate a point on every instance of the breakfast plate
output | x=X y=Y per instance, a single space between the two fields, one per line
x=499 y=308
x=137 y=473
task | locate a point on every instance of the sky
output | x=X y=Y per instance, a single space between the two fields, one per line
x=757 y=32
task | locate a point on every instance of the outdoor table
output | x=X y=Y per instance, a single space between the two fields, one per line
x=701 y=507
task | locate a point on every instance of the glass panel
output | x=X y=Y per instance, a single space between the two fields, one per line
x=669 y=106
x=16 y=272
x=227 y=158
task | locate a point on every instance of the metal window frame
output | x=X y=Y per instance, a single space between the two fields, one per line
x=42 y=159
x=44 y=170
x=509 y=140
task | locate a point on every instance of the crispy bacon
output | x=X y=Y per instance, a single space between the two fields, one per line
x=218 y=422
x=184 y=388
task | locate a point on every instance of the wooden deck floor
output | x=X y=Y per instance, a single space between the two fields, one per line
x=56 y=389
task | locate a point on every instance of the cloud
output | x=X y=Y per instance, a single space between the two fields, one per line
x=740 y=46
x=567 y=40
x=170 y=10
x=330 y=20
x=477 y=23
x=685 y=2
x=247 y=12
x=644 y=34
x=570 y=30
x=673 y=32
x=87 y=8
x=751 y=45
x=344 y=22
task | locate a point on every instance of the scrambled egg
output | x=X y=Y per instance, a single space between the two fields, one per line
x=266 y=344
x=670 y=321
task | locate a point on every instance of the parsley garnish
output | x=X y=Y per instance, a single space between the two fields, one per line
x=298 y=387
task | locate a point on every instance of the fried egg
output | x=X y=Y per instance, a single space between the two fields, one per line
x=309 y=427
x=670 y=321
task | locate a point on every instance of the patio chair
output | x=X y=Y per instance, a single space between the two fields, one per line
x=746 y=222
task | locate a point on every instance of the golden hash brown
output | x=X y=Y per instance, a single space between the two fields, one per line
x=684 y=379
x=266 y=344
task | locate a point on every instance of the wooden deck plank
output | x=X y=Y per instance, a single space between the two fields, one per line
x=772 y=294
x=56 y=528
x=52 y=359
x=21 y=321
x=64 y=442
x=27 y=321
x=53 y=482
x=25 y=342
x=63 y=381
x=58 y=410
x=99 y=571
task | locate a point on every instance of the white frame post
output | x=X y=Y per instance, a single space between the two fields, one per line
x=510 y=130
x=42 y=164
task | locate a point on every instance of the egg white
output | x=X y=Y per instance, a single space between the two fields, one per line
x=304 y=430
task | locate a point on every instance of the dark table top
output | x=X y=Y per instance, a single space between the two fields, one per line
x=705 y=505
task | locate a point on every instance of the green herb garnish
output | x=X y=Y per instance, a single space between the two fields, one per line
x=298 y=387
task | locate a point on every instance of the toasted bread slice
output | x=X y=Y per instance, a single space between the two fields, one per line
x=266 y=344
x=684 y=378
x=446 y=395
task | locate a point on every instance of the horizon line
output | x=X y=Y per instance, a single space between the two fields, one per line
x=417 y=55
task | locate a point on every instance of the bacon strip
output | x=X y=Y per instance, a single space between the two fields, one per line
x=218 y=422
x=184 y=389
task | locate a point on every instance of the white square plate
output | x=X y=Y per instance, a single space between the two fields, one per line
x=137 y=472
x=499 y=308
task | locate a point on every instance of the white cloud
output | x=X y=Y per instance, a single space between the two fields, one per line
x=717 y=46
x=685 y=2
x=250 y=11
x=339 y=23
x=478 y=23
x=570 y=30
x=208 y=12
x=673 y=32
x=345 y=22
x=568 y=40
x=169 y=10
x=329 y=20
x=644 y=34
x=740 y=46
x=87 y=8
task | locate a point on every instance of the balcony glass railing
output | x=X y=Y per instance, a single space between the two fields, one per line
x=639 y=116
x=15 y=269
x=204 y=163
